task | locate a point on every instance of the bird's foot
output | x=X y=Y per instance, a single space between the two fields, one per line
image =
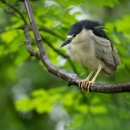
x=86 y=84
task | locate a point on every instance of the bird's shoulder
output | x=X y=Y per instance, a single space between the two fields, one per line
x=105 y=51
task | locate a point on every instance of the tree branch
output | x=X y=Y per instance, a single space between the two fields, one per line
x=71 y=78
x=28 y=42
x=60 y=53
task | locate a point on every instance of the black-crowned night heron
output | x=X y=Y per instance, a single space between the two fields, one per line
x=89 y=45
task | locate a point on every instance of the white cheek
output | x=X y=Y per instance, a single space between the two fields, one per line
x=76 y=39
x=82 y=36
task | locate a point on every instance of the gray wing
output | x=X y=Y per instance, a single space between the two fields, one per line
x=106 y=52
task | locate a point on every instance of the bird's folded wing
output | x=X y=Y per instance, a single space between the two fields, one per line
x=105 y=51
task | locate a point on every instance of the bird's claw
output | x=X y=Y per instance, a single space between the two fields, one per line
x=85 y=84
x=82 y=84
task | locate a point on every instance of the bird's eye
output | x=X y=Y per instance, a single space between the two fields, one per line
x=74 y=35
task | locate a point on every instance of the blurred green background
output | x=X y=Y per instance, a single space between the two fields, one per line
x=31 y=98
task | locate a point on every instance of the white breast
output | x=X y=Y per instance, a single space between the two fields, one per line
x=83 y=51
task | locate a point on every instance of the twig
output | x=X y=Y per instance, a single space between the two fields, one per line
x=15 y=9
x=51 y=32
x=52 y=47
x=45 y=29
x=71 y=78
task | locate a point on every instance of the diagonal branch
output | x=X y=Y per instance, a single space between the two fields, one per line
x=71 y=78
x=60 y=53
x=28 y=42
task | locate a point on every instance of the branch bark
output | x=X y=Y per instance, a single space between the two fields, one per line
x=71 y=78
x=28 y=42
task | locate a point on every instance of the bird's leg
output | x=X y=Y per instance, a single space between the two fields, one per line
x=90 y=83
x=83 y=82
x=89 y=76
x=86 y=83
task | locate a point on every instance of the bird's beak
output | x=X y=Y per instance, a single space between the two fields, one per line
x=66 y=42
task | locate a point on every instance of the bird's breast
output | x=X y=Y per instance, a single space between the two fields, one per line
x=84 y=54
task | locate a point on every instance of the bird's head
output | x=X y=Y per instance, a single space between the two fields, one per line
x=79 y=31
x=73 y=33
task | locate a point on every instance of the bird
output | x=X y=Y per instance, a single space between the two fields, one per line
x=88 y=44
